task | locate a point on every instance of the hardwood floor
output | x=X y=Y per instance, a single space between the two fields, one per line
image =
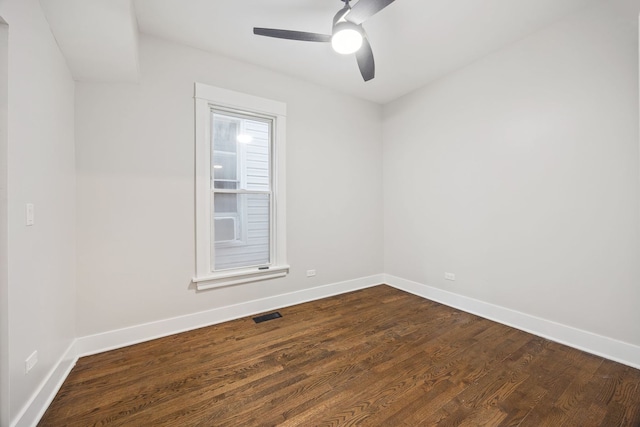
x=376 y=357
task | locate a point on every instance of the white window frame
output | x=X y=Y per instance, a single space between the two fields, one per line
x=208 y=98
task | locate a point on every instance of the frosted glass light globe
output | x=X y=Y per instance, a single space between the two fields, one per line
x=346 y=38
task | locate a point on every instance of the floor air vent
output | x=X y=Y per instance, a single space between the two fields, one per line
x=266 y=317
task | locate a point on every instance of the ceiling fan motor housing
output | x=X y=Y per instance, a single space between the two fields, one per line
x=342 y=13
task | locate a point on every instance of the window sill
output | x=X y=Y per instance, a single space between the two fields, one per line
x=220 y=280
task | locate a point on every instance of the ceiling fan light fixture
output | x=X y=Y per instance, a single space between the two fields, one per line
x=346 y=38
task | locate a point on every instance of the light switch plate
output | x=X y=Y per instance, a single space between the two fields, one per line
x=30 y=214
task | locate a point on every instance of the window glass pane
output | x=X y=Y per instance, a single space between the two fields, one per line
x=226 y=185
x=241 y=153
x=241 y=157
x=225 y=203
x=256 y=149
x=225 y=132
x=225 y=229
x=251 y=243
x=225 y=170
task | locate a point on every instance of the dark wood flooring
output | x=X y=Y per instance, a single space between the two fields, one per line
x=376 y=357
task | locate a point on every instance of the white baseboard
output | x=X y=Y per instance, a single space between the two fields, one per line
x=34 y=410
x=618 y=351
x=139 y=333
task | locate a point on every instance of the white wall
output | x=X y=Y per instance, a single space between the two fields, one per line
x=41 y=170
x=4 y=275
x=135 y=198
x=520 y=174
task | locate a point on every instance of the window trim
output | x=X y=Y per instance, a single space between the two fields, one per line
x=207 y=98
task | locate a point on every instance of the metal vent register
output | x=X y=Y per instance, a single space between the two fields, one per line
x=266 y=317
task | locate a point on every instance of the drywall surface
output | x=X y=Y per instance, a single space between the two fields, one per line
x=519 y=174
x=41 y=171
x=4 y=246
x=135 y=172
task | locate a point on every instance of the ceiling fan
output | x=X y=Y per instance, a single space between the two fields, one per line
x=347 y=35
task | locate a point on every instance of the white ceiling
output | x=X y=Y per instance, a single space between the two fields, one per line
x=98 y=38
x=414 y=41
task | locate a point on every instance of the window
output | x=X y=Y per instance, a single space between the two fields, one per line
x=240 y=232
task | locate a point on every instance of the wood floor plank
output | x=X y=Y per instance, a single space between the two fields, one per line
x=375 y=357
x=381 y=390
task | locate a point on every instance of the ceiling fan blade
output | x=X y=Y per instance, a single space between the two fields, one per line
x=364 y=56
x=292 y=35
x=365 y=9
